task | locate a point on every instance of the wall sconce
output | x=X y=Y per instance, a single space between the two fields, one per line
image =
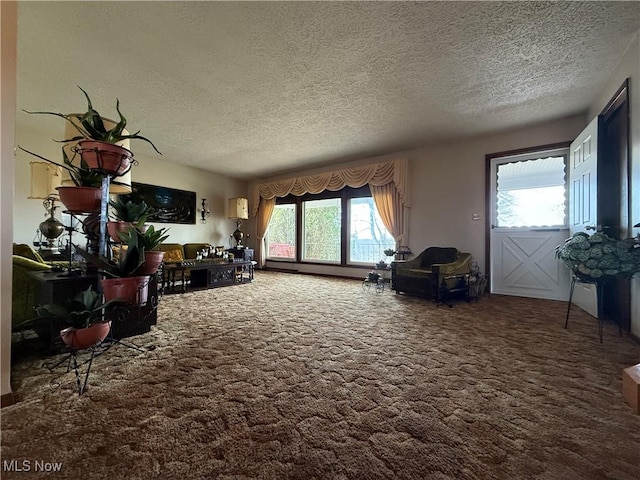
x=45 y=177
x=238 y=210
x=204 y=211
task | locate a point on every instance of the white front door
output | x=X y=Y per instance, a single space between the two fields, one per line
x=528 y=221
x=582 y=172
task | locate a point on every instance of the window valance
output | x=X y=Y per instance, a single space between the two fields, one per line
x=377 y=174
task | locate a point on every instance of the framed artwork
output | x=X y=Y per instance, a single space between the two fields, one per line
x=170 y=205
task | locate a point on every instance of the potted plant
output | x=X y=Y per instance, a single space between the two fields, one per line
x=127 y=214
x=97 y=144
x=389 y=252
x=149 y=240
x=121 y=275
x=596 y=257
x=85 y=195
x=85 y=315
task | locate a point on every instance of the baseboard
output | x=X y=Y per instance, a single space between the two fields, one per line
x=7 y=399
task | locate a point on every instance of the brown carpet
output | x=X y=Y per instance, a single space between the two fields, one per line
x=302 y=377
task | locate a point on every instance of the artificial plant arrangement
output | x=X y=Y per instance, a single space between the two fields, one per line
x=127 y=214
x=129 y=211
x=125 y=264
x=86 y=317
x=123 y=277
x=90 y=125
x=81 y=311
x=149 y=240
x=598 y=256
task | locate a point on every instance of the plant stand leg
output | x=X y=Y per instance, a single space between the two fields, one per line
x=82 y=386
x=573 y=286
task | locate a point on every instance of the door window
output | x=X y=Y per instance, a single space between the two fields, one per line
x=531 y=193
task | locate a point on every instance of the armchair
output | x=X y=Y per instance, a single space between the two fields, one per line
x=423 y=275
x=23 y=297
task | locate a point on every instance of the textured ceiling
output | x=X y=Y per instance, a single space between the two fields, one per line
x=257 y=88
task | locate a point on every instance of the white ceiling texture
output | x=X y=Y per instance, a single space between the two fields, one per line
x=251 y=89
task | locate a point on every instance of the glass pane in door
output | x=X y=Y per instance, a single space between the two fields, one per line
x=531 y=193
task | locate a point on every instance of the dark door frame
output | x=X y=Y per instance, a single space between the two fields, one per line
x=614 y=184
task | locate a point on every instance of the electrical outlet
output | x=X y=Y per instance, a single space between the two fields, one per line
x=475 y=216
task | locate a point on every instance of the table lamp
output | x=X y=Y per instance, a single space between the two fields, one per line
x=45 y=177
x=238 y=210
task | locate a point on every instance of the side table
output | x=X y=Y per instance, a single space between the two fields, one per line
x=453 y=285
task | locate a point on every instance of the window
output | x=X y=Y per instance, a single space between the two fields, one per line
x=321 y=224
x=331 y=227
x=531 y=193
x=281 y=237
x=368 y=236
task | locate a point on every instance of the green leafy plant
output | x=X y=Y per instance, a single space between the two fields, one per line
x=130 y=211
x=149 y=239
x=389 y=252
x=125 y=264
x=90 y=125
x=81 y=311
x=80 y=175
x=591 y=257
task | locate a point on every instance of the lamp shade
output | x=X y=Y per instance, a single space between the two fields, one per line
x=119 y=185
x=45 y=177
x=238 y=208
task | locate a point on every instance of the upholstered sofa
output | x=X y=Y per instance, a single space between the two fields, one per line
x=23 y=297
x=423 y=275
x=177 y=252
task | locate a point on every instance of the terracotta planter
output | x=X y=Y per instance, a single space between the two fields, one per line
x=152 y=261
x=105 y=157
x=114 y=227
x=129 y=290
x=80 y=199
x=78 y=338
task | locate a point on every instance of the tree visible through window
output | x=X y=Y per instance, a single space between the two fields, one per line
x=368 y=235
x=281 y=238
x=321 y=219
x=321 y=230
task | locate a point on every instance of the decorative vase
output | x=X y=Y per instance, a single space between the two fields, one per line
x=80 y=199
x=105 y=157
x=152 y=261
x=129 y=290
x=78 y=338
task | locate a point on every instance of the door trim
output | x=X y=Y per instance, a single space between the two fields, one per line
x=487 y=190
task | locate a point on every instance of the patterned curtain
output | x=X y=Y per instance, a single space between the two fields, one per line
x=387 y=180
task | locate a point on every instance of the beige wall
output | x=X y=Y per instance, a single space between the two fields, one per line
x=447 y=185
x=8 y=42
x=152 y=170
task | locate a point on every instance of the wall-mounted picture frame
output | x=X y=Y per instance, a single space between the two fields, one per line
x=170 y=205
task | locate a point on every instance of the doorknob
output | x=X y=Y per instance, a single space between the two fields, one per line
x=590 y=227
